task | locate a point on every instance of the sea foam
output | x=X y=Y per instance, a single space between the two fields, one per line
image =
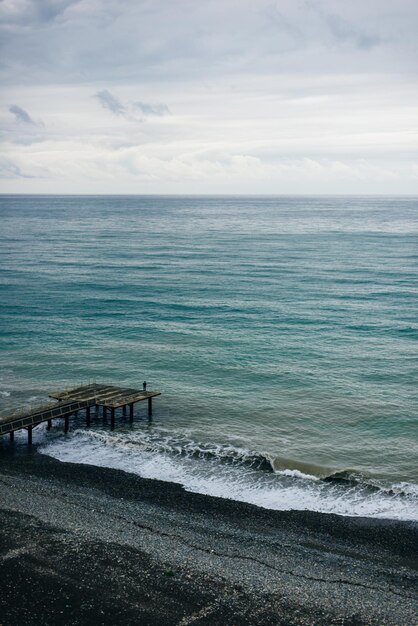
x=226 y=472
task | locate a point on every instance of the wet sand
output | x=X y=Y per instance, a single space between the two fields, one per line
x=87 y=545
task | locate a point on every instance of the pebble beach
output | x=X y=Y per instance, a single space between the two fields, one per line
x=81 y=544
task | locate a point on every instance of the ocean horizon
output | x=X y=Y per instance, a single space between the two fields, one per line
x=281 y=330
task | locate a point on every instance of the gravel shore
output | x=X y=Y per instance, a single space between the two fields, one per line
x=86 y=545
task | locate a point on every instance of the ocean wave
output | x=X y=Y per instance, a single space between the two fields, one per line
x=294 y=473
x=236 y=473
x=179 y=445
x=346 y=477
x=352 y=478
x=409 y=490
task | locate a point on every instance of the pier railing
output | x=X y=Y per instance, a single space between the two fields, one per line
x=42 y=413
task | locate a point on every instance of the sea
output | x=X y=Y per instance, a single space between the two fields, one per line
x=282 y=333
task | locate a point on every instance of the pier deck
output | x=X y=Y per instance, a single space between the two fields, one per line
x=70 y=401
x=105 y=395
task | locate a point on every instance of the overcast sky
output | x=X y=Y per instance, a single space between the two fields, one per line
x=209 y=96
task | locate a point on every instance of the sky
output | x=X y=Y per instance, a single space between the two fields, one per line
x=209 y=97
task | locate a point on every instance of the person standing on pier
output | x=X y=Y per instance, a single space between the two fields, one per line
x=144 y=385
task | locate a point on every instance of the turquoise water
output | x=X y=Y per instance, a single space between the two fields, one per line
x=282 y=328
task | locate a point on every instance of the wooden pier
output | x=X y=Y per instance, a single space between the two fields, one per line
x=70 y=401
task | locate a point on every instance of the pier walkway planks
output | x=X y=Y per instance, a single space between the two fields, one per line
x=105 y=395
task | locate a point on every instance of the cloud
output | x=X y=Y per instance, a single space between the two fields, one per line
x=22 y=116
x=130 y=110
x=152 y=109
x=48 y=10
x=344 y=30
x=22 y=12
x=109 y=102
x=329 y=81
x=132 y=41
x=9 y=170
x=183 y=168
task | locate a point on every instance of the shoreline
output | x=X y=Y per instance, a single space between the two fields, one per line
x=133 y=550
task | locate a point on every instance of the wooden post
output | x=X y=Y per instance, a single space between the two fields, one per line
x=124 y=410
x=88 y=416
x=12 y=436
x=150 y=407
x=49 y=425
x=131 y=412
x=112 y=417
x=29 y=435
x=104 y=412
x=66 y=424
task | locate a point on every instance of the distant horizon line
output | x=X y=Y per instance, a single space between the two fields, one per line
x=216 y=195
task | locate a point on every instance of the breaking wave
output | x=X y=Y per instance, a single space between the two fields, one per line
x=161 y=441
x=232 y=472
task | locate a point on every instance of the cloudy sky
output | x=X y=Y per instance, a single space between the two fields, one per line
x=209 y=96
